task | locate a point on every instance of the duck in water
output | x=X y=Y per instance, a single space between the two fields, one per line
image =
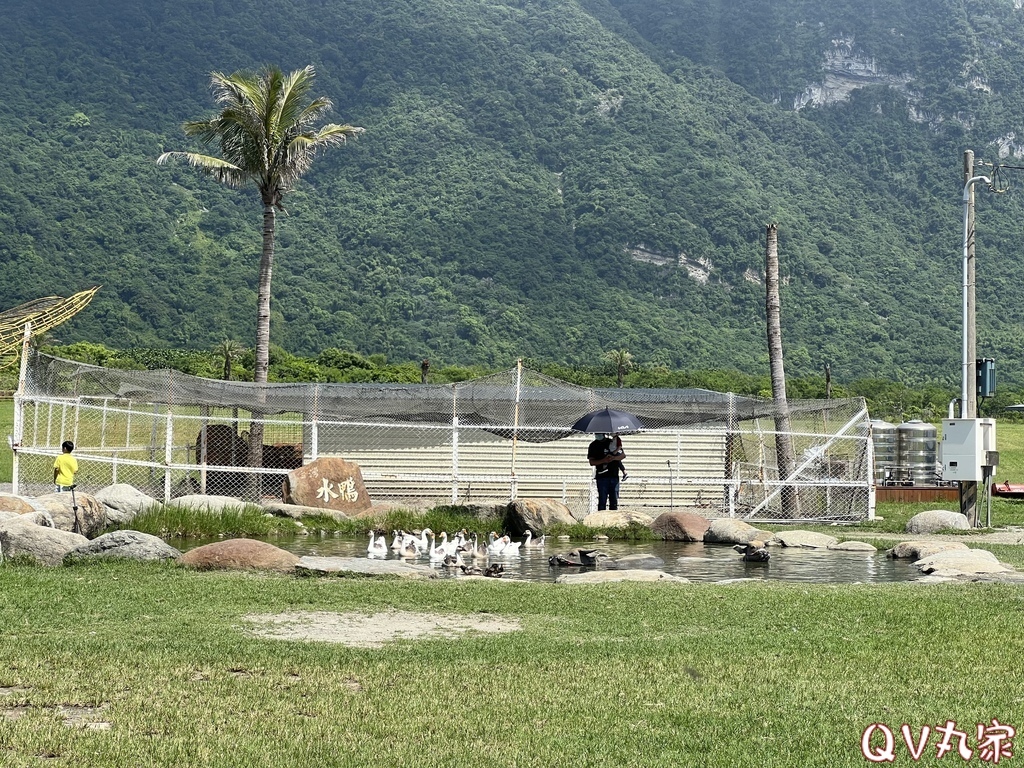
x=754 y=552
x=576 y=558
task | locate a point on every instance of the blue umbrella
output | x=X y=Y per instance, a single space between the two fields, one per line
x=608 y=420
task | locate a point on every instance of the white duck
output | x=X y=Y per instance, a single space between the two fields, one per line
x=378 y=546
x=531 y=544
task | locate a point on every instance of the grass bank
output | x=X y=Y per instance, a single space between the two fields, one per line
x=127 y=665
x=6 y=428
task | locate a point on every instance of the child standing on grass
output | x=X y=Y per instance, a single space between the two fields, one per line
x=64 y=468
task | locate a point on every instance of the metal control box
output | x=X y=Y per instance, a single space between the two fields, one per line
x=968 y=449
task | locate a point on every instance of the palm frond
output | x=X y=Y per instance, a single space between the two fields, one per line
x=266 y=130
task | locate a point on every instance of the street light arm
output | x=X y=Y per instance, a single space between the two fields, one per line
x=971 y=182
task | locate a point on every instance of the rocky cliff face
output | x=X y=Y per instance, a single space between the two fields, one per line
x=845 y=70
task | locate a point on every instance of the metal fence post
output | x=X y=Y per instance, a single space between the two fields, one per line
x=19 y=404
x=455 y=459
x=168 y=456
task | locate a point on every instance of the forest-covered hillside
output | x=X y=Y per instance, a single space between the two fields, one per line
x=541 y=179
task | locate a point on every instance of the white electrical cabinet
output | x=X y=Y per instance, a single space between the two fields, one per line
x=968 y=449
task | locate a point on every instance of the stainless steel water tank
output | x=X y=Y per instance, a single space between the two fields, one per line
x=916 y=452
x=883 y=439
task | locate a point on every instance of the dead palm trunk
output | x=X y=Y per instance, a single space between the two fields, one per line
x=783 y=429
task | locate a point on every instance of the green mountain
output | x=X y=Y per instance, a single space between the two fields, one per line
x=540 y=179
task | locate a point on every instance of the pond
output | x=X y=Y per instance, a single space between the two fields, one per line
x=695 y=561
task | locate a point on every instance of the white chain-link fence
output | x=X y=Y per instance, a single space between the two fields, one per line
x=489 y=440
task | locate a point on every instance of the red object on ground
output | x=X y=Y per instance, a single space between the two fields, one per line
x=1008 y=490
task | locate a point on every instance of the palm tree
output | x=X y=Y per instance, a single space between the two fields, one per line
x=267 y=138
x=228 y=350
x=783 y=427
x=623 y=361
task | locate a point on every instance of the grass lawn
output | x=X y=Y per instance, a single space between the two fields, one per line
x=126 y=665
x=131 y=665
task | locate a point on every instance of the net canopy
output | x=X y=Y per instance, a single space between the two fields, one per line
x=516 y=403
x=505 y=436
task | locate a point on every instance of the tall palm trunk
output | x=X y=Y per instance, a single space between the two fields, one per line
x=783 y=430
x=262 y=365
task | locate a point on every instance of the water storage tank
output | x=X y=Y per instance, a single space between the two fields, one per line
x=883 y=439
x=916 y=452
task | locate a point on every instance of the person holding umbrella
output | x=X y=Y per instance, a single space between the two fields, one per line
x=605 y=454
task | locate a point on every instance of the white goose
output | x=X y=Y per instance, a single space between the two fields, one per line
x=447 y=547
x=495 y=545
x=396 y=542
x=531 y=544
x=422 y=541
x=511 y=548
x=453 y=561
x=477 y=550
x=378 y=546
x=437 y=554
x=410 y=548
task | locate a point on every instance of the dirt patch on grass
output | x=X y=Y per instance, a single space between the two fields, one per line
x=360 y=630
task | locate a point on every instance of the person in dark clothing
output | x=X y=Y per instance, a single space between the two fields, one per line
x=605 y=454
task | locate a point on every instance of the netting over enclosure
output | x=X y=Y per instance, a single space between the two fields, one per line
x=499 y=437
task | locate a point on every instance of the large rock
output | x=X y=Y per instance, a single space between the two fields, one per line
x=485 y=509
x=603 y=577
x=124 y=502
x=35 y=518
x=962 y=562
x=935 y=520
x=362 y=566
x=90 y=519
x=727 y=530
x=629 y=562
x=680 y=526
x=199 y=502
x=537 y=515
x=125 y=545
x=328 y=483
x=918 y=550
x=45 y=545
x=617 y=518
x=239 y=555
x=297 y=512
x=808 y=539
x=16 y=504
x=854 y=546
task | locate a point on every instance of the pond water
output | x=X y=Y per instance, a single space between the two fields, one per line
x=695 y=561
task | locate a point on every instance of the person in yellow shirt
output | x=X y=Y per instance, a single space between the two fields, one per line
x=64 y=468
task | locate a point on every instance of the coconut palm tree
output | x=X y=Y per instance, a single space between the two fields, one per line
x=622 y=359
x=783 y=427
x=267 y=137
x=228 y=351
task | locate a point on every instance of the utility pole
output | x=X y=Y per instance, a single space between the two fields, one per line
x=969 y=391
